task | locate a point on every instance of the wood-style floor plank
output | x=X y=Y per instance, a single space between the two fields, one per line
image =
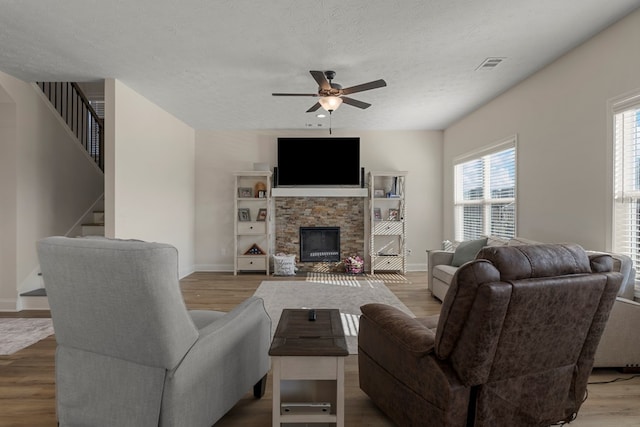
x=27 y=387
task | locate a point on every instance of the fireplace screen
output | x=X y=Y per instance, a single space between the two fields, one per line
x=319 y=244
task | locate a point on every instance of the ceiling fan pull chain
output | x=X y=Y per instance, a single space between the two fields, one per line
x=329 y=122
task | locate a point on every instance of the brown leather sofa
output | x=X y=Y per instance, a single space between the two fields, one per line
x=513 y=345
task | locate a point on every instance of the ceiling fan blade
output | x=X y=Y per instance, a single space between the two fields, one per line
x=294 y=94
x=355 y=102
x=364 y=86
x=321 y=80
x=314 y=107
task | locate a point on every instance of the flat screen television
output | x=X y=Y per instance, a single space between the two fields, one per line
x=319 y=162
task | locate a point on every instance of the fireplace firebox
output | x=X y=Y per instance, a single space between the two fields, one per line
x=319 y=244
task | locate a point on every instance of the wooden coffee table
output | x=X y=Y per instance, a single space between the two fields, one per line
x=308 y=368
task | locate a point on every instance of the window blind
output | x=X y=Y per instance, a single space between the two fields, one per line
x=626 y=226
x=485 y=193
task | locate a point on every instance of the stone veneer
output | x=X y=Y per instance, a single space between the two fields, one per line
x=291 y=213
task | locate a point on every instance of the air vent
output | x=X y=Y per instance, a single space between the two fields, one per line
x=490 y=63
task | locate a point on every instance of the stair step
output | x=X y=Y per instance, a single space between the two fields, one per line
x=98 y=217
x=96 y=229
x=42 y=292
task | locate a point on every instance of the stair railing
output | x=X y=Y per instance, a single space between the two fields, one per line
x=83 y=120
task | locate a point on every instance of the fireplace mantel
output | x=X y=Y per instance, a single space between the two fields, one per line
x=318 y=192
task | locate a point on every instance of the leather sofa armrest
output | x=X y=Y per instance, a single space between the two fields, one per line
x=406 y=331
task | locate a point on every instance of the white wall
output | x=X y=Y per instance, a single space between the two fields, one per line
x=48 y=178
x=149 y=189
x=8 y=196
x=220 y=153
x=564 y=145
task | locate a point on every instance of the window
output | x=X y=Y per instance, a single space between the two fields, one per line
x=485 y=193
x=626 y=137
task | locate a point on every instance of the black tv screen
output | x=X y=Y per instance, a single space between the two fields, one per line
x=319 y=161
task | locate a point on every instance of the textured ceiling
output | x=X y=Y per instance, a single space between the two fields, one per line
x=215 y=63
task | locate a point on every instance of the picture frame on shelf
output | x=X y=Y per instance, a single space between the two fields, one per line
x=377 y=214
x=244 y=214
x=262 y=214
x=394 y=214
x=378 y=193
x=245 y=192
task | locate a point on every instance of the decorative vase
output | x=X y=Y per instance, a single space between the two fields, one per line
x=351 y=269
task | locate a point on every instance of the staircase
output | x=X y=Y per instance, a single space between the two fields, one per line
x=96 y=226
x=87 y=125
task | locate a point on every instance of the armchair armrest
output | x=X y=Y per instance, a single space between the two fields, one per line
x=237 y=341
x=619 y=346
x=437 y=257
x=406 y=331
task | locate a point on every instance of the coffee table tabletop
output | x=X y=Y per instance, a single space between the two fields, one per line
x=296 y=335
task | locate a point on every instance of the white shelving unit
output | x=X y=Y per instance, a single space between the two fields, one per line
x=387 y=219
x=252 y=213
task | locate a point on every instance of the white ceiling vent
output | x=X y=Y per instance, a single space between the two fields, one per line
x=490 y=63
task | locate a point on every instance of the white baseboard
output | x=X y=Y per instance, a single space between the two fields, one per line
x=8 y=304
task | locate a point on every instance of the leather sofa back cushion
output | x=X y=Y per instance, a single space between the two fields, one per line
x=531 y=261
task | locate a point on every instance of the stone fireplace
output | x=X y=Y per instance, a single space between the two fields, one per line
x=294 y=213
x=319 y=244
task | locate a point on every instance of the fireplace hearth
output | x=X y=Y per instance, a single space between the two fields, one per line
x=319 y=244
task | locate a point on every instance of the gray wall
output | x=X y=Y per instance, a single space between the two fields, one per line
x=564 y=139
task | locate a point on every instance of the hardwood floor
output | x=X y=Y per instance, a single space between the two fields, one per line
x=27 y=389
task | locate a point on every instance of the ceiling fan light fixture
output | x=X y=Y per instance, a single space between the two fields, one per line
x=330 y=103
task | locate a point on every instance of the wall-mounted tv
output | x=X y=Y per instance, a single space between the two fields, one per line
x=319 y=161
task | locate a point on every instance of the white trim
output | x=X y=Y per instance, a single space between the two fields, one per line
x=8 y=304
x=318 y=192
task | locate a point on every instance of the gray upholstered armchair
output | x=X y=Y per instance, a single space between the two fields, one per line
x=130 y=353
x=513 y=345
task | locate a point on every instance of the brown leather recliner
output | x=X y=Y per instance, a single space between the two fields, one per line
x=513 y=345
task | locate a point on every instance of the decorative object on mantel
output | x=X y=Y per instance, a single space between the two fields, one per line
x=353 y=265
x=254 y=250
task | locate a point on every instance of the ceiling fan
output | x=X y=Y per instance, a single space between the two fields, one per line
x=332 y=95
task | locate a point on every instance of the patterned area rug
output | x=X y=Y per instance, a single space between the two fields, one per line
x=346 y=293
x=21 y=333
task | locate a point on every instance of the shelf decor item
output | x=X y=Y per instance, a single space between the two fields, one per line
x=260 y=189
x=377 y=214
x=353 y=265
x=255 y=250
x=244 y=214
x=245 y=192
x=262 y=214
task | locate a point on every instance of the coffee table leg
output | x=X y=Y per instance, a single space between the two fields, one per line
x=276 y=391
x=340 y=393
